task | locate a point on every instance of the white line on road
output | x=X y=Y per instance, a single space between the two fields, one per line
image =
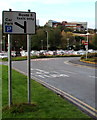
x=42 y=71
x=92 y=76
x=46 y=75
x=40 y=76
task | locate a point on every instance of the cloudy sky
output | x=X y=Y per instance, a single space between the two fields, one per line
x=58 y=10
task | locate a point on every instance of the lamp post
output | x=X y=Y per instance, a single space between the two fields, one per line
x=67 y=43
x=87 y=34
x=42 y=44
x=47 y=40
x=80 y=43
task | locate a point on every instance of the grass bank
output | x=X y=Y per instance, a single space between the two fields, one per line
x=45 y=103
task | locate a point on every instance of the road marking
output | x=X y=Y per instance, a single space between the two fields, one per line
x=42 y=71
x=38 y=73
x=92 y=76
x=43 y=59
x=40 y=76
x=32 y=69
x=44 y=74
x=63 y=75
x=73 y=99
x=83 y=105
x=66 y=62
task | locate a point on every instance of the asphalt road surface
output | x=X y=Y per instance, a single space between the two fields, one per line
x=78 y=81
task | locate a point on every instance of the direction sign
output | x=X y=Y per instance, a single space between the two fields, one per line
x=16 y=22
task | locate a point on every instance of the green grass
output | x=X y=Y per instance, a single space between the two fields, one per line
x=94 y=59
x=45 y=103
x=35 y=57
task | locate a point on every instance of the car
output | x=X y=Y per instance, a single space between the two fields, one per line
x=3 y=55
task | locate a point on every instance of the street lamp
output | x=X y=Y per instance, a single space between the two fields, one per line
x=47 y=40
x=87 y=34
x=80 y=43
x=42 y=44
x=67 y=43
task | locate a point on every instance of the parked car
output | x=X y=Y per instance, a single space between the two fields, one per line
x=3 y=55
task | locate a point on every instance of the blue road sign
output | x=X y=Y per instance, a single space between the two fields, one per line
x=8 y=28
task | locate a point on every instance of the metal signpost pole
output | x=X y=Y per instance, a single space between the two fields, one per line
x=29 y=70
x=9 y=71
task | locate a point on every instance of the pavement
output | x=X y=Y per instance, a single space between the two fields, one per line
x=78 y=62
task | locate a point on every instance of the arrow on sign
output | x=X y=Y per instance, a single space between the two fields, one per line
x=21 y=26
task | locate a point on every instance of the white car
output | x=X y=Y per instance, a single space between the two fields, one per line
x=3 y=55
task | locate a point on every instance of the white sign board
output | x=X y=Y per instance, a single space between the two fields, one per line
x=15 y=22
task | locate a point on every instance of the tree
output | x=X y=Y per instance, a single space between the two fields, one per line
x=67 y=40
x=93 y=42
x=54 y=38
x=36 y=39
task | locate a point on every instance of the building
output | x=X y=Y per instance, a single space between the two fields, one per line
x=72 y=25
x=52 y=23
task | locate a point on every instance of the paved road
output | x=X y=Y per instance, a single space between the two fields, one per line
x=77 y=81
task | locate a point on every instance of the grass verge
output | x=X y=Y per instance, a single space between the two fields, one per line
x=94 y=59
x=45 y=103
x=36 y=57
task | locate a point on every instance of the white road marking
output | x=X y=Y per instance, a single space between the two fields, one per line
x=45 y=74
x=63 y=75
x=32 y=69
x=45 y=59
x=93 y=76
x=42 y=71
x=40 y=76
x=38 y=72
x=66 y=62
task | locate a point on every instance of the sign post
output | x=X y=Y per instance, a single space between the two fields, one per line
x=18 y=22
x=9 y=71
x=29 y=70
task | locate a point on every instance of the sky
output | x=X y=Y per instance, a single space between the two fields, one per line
x=58 y=10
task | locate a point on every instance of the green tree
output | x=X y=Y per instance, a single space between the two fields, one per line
x=54 y=39
x=67 y=40
x=36 y=39
x=94 y=42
